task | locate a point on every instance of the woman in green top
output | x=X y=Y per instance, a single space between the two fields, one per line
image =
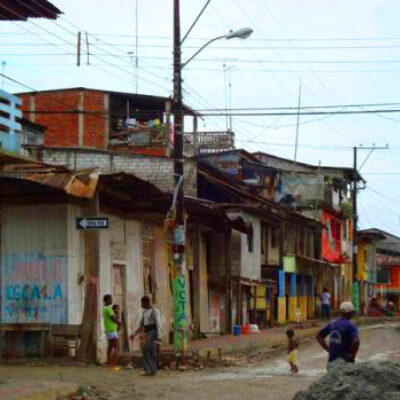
x=111 y=330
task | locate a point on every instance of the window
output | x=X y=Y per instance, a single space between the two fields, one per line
x=384 y=275
x=250 y=239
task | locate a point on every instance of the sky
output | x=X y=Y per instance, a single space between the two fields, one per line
x=343 y=52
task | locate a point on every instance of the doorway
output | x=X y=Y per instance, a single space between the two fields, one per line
x=119 y=285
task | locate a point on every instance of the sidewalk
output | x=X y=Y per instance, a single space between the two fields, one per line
x=31 y=390
x=267 y=339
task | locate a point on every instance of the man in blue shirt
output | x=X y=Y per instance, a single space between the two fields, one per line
x=344 y=339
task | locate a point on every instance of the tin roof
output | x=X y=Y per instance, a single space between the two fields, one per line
x=21 y=10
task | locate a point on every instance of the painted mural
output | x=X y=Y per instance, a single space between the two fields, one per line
x=34 y=288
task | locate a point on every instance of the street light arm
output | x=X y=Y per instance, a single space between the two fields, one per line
x=183 y=65
x=195 y=21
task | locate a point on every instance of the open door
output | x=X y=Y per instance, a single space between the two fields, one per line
x=119 y=285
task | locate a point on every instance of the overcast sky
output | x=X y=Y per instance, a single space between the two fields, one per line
x=345 y=52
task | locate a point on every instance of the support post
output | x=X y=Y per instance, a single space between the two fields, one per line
x=281 y=297
x=228 y=283
x=90 y=317
x=293 y=298
x=311 y=297
x=196 y=282
x=303 y=297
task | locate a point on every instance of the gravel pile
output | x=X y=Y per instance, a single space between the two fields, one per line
x=360 y=381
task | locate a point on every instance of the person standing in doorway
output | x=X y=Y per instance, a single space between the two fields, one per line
x=111 y=325
x=150 y=323
x=344 y=340
x=326 y=304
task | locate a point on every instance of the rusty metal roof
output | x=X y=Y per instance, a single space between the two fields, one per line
x=21 y=10
x=81 y=184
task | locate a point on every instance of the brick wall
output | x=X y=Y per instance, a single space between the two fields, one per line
x=156 y=170
x=95 y=134
x=62 y=129
x=72 y=129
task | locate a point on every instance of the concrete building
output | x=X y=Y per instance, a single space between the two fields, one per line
x=45 y=267
x=286 y=244
x=325 y=194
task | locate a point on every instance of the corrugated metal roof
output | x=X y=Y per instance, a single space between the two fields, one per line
x=80 y=184
x=21 y=10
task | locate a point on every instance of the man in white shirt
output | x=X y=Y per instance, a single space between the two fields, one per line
x=150 y=323
x=326 y=304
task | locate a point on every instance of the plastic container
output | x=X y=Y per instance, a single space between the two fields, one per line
x=237 y=330
x=254 y=328
x=246 y=330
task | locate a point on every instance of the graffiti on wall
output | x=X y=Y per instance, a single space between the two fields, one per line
x=34 y=288
x=180 y=316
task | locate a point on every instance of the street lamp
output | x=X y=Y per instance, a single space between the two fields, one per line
x=242 y=33
x=179 y=285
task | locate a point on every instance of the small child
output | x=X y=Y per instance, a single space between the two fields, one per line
x=292 y=351
x=117 y=315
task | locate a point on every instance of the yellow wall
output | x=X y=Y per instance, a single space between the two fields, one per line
x=361 y=266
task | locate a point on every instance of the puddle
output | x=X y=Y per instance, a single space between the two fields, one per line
x=386 y=356
x=380 y=326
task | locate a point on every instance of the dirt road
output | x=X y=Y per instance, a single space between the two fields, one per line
x=268 y=380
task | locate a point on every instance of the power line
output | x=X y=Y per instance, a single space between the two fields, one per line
x=169 y=38
x=270 y=114
x=66 y=64
x=72 y=44
x=341 y=106
x=160 y=46
x=236 y=60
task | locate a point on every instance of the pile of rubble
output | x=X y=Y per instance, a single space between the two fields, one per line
x=361 y=381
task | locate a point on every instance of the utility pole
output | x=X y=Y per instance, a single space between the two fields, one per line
x=137 y=47
x=355 y=216
x=297 y=125
x=180 y=320
x=356 y=288
x=177 y=208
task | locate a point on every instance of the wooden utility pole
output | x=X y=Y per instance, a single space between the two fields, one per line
x=78 y=50
x=297 y=126
x=90 y=317
x=355 y=216
x=356 y=294
x=179 y=239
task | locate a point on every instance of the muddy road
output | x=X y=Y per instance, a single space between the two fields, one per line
x=267 y=380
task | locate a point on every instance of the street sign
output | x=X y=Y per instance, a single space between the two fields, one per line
x=91 y=223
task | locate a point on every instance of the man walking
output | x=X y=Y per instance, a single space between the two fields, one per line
x=150 y=323
x=344 y=340
x=326 y=304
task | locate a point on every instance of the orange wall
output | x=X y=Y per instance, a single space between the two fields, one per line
x=395 y=278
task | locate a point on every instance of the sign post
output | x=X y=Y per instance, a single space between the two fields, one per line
x=91 y=223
